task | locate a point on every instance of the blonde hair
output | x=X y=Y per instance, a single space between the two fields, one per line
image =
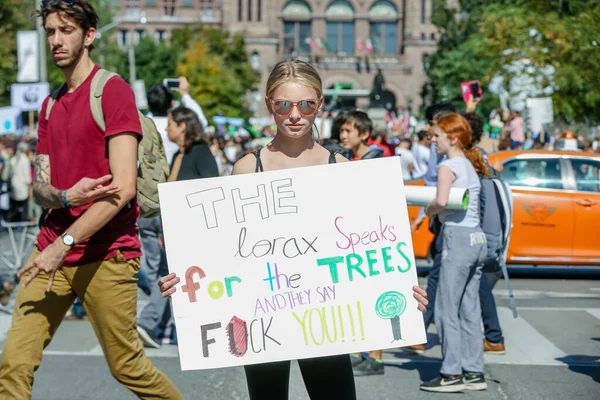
x=296 y=70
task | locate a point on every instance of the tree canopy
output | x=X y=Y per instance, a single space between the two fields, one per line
x=555 y=42
x=214 y=61
x=15 y=15
x=216 y=65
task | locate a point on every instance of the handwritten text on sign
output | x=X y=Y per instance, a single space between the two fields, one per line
x=291 y=264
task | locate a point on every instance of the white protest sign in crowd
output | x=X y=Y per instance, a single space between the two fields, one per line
x=291 y=264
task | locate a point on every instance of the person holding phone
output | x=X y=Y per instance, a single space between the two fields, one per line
x=471 y=89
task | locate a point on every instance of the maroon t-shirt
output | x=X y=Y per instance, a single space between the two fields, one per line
x=77 y=148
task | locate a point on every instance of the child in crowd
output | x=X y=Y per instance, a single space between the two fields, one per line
x=355 y=130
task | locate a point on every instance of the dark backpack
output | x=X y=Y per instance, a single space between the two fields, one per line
x=496 y=206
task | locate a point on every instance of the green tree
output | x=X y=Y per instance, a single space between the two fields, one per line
x=488 y=39
x=459 y=56
x=154 y=61
x=15 y=15
x=216 y=65
x=566 y=40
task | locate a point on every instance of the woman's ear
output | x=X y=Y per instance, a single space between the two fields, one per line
x=268 y=104
x=320 y=106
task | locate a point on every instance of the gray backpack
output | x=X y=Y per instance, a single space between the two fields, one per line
x=496 y=211
x=495 y=201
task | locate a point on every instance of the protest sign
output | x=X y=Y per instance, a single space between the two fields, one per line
x=291 y=264
x=540 y=112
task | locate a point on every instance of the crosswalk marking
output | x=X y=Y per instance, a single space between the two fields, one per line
x=524 y=344
x=5 y=320
x=539 y=294
x=594 y=311
x=590 y=310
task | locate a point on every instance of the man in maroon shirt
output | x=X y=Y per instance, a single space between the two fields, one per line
x=88 y=244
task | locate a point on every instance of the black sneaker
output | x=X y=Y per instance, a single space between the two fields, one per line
x=444 y=384
x=356 y=360
x=148 y=337
x=474 y=381
x=369 y=367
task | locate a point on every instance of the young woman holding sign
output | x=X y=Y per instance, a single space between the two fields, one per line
x=294 y=96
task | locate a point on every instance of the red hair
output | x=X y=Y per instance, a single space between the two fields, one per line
x=455 y=126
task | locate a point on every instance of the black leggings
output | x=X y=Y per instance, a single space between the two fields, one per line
x=326 y=378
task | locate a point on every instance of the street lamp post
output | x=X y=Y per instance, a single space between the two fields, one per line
x=42 y=45
x=131 y=57
x=101 y=31
x=130 y=44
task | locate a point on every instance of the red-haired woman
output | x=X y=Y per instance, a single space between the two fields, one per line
x=457 y=307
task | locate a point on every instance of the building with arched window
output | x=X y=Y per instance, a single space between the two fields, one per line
x=346 y=40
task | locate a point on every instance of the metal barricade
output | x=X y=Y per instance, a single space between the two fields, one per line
x=22 y=236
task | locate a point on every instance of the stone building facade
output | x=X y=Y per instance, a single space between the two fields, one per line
x=348 y=41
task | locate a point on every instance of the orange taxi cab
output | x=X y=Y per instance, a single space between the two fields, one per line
x=556 y=218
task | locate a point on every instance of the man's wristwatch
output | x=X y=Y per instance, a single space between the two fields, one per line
x=68 y=240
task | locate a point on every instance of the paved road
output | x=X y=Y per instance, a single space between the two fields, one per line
x=553 y=352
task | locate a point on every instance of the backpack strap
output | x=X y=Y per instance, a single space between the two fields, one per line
x=259 y=166
x=53 y=97
x=332 y=154
x=151 y=127
x=98 y=82
x=505 y=195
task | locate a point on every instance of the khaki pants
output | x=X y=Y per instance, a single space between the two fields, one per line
x=108 y=291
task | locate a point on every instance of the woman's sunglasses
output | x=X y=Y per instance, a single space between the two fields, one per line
x=305 y=107
x=69 y=2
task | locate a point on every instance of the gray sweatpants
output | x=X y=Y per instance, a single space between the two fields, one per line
x=457 y=307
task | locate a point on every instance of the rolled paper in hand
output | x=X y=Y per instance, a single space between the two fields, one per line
x=422 y=196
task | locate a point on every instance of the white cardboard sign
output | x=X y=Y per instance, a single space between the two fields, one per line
x=29 y=96
x=291 y=264
x=541 y=112
x=28 y=56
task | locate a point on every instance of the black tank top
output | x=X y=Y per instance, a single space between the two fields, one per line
x=259 y=166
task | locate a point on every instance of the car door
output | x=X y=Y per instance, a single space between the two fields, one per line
x=586 y=202
x=543 y=210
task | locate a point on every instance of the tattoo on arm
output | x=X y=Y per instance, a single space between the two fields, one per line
x=44 y=194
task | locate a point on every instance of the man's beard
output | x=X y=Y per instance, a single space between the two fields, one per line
x=71 y=62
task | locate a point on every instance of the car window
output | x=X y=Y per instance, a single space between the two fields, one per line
x=540 y=173
x=586 y=174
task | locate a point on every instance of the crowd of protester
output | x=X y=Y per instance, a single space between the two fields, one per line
x=230 y=143
x=89 y=228
x=352 y=135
